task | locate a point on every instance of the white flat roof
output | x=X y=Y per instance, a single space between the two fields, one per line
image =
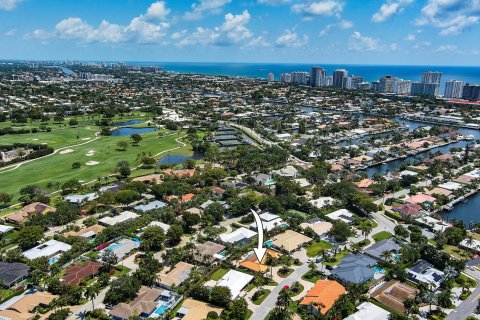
x=342 y=214
x=368 y=310
x=47 y=249
x=450 y=186
x=122 y=217
x=321 y=202
x=235 y=281
x=237 y=235
x=4 y=229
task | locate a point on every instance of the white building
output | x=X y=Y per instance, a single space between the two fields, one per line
x=48 y=249
x=122 y=217
x=321 y=202
x=342 y=215
x=235 y=281
x=453 y=89
x=368 y=310
x=269 y=221
x=240 y=236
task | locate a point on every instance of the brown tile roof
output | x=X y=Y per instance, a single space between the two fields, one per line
x=24 y=308
x=95 y=228
x=145 y=302
x=205 y=251
x=77 y=273
x=393 y=294
x=198 y=309
x=175 y=276
x=29 y=211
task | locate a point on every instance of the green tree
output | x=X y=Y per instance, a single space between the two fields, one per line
x=340 y=231
x=136 y=138
x=174 y=234
x=29 y=236
x=220 y=296
x=122 y=289
x=5 y=198
x=153 y=238
x=91 y=292
x=122 y=145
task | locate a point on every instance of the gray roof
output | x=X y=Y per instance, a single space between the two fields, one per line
x=355 y=268
x=378 y=248
x=150 y=206
x=12 y=272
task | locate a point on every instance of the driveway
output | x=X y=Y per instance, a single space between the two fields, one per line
x=467 y=307
x=269 y=303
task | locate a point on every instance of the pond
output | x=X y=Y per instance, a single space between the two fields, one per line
x=128 y=123
x=127 y=131
x=178 y=159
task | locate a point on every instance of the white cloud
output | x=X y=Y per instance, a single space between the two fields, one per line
x=358 y=42
x=259 y=41
x=453 y=17
x=158 y=10
x=389 y=9
x=179 y=34
x=10 y=32
x=141 y=29
x=319 y=9
x=9 y=4
x=38 y=34
x=422 y=45
x=273 y=2
x=233 y=30
x=409 y=37
x=447 y=48
x=205 y=7
x=344 y=24
x=291 y=39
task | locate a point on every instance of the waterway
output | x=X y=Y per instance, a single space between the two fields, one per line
x=178 y=159
x=467 y=211
x=127 y=131
x=128 y=123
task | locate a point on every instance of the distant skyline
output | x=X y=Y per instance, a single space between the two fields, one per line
x=375 y=32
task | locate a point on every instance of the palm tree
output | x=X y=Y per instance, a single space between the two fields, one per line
x=91 y=293
x=410 y=306
x=469 y=241
x=386 y=255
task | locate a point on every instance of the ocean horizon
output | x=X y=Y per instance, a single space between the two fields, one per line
x=468 y=74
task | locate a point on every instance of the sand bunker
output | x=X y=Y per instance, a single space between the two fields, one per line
x=92 y=163
x=66 y=151
x=90 y=153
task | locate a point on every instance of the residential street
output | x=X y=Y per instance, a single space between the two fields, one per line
x=468 y=306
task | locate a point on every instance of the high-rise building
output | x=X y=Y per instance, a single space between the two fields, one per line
x=363 y=86
x=338 y=76
x=401 y=87
x=300 y=77
x=318 y=77
x=329 y=82
x=425 y=89
x=385 y=84
x=271 y=77
x=471 y=92
x=351 y=82
x=285 y=77
x=375 y=85
x=432 y=77
x=453 y=89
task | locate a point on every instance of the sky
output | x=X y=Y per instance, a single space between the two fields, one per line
x=392 y=32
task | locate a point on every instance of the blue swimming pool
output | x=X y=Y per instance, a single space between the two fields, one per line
x=113 y=246
x=378 y=270
x=52 y=260
x=162 y=309
x=268 y=243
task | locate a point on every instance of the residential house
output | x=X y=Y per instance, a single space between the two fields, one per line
x=319 y=226
x=25 y=307
x=370 y=311
x=13 y=272
x=409 y=210
x=50 y=249
x=342 y=215
x=289 y=241
x=379 y=249
x=88 y=232
x=28 y=211
x=122 y=217
x=143 y=305
x=269 y=221
x=322 y=296
x=355 y=268
x=193 y=310
x=234 y=280
x=77 y=273
x=322 y=202
x=393 y=294
x=175 y=276
x=150 y=206
x=239 y=237
x=208 y=252
x=288 y=171
x=424 y=272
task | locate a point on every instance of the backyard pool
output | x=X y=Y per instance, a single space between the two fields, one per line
x=378 y=270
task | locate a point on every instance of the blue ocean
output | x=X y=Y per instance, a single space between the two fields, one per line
x=369 y=72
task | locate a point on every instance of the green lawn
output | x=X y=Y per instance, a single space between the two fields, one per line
x=315 y=248
x=338 y=258
x=58 y=167
x=382 y=235
x=120 y=270
x=217 y=275
x=457 y=252
x=265 y=294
